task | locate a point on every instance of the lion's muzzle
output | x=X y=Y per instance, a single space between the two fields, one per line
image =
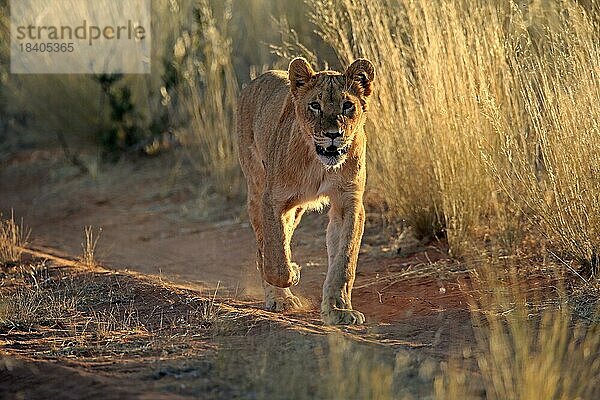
x=330 y=148
x=331 y=151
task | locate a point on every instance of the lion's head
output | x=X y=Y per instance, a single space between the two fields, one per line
x=331 y=106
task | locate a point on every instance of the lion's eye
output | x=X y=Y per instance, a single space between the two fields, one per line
x=314 y=106
x=347 y=106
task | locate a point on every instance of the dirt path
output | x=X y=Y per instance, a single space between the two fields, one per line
x=154 y=224
x=180 y=343
x=150 y=225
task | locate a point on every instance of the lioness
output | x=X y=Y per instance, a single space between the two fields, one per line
x=301 y=145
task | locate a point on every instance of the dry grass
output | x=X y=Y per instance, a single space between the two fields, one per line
x=371 y=378
x=530 y=344
x=208 y=97
x=525 y=346
x=89 y=246
x=60 y=312
x=560 y=132
x=13 y=237
x=483 y=114
x=317 y=367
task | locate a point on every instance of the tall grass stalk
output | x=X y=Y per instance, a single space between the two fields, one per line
x=13 y=237
x=560 y=95
x=481 y=109
x=88 y=256
x=522 y=352
x=209 y=95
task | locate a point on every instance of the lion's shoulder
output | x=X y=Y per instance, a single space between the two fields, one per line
x=266 y=94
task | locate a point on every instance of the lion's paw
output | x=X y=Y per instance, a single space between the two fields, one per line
x=341 y=316
x=286 y=303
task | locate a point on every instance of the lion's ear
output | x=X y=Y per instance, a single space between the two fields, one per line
x=300 y=72
x=363 y=72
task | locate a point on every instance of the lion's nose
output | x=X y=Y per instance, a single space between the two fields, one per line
x=333 y=135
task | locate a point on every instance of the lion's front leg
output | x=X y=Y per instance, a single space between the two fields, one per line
x=344 y=233
x=277 y=268
x=278 y=299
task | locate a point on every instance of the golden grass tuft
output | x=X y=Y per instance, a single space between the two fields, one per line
x=13 y=237
x=528 y=345
x=484 y=114
x=204 y=58
x=88 y=246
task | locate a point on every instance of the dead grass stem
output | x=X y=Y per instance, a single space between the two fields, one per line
x=13 y=237
x=484 y=114
x=89 y=246
x=95 y=314
x=530 y=343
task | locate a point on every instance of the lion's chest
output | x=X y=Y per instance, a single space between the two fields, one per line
x=312 y=195
x=325 y=188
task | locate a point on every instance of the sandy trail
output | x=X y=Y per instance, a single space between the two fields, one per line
x=156 y=222
x=150 y=225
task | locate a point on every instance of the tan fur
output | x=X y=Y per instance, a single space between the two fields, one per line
x=280 y=125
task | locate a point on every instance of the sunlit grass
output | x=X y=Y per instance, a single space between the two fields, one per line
x=208 y=96
x=529 y=343
x=88 y=246
x=484 y=114
x=13 y=237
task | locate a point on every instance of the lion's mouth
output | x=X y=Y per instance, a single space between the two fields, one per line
x=331 y=151
x=331 y=156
